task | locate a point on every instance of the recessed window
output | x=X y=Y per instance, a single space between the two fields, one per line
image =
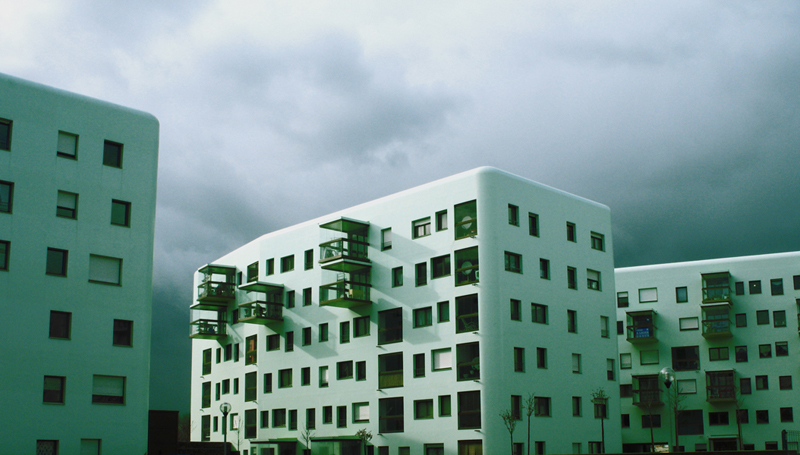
x=421 y=274
x=544 y=269
x=467 y=313
x=625 y=361
x=622 y=300
x=740 y=353
x=441 y=220
x=739 y=287
x=285 y=378
x=440 y=266
x=273 y=343
x=123 y=334
x=103 y=269
x=572 y=321
x=648 y=357
x=781 y=348
x=762 y=317
x=60 y=324
x=741 y=320
x=648 y=295
x=67 y=145
x=541 y=407
x=533 y=224
x=468 y=361
x=776 y=286
x=466 y=266
x=469 y=411
x=251 y=350
x=686 y=358
x=108 y=389
x=593 y=279
x=423 y=409
x=361 y=371
x=309 y=259
x=687 y=386
x=6 y=196
x=539 y=313
x=516 y=310
x=519 y=360
x=390 y=370
x=762 y=416
x=796 y=281
x=390 y=415
x=576 y=363
x=5 y=136
x=386 y=239
x=572 y=278
x=689 y=323
x=755 y=287
x=720 y=353
x=323 y=376
x=598 y=241
x=571 y=231
x=421 y=228
x=323 y=332
x=513 y=215
x=307 y=297
x=466 y=220
x=344 y=332
x=252 y=272
x=419 y=365
x=57 y=262
x=444 y=406
x=787 y=414
x=67 y=205
x=344 y=370
x=112 y=154
x=423 y=317
x=287 y=263
x=397 y=277
x=54 y=387
x=779 y=318
x=443 y=311
x=360 y=412
x=651 y=421
x=390 y=326
x=361 y=326
x=681 y=295
x=541 y=358
x=270 y=266
x=762 y=383
x=745 y=387
x=513 y=262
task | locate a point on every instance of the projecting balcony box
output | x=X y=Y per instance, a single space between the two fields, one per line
x=217 y=288
x=346 y=254
x=208 y=329
x=641 y=328
x=716 y=287
x=265 y=306
x=646 y=391
x=717 y=321
x=720 y=386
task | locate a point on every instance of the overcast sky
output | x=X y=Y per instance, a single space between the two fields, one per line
x=683 y=117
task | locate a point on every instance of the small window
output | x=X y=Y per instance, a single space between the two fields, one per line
x=270 y=266
x=361 y=370
x=539 y=313
x=513 y=215
x=762 y=317
x=593 y=279
x=533 y=224
x=763 y=417
x=308 y=257
x=576 y=363
x=572 y=278
x=252 y=272
x=5 y=136
x=423 y=317
x=739 y=287
x=541 y=358
x=625 y=361
x=519 y=360
x=112 y=154
x=273 y=343
x=720 y=353
x=787 y=415
x=360 y=412
x=108 y=389
x=776 y=286
x=323 y=376
x=60 y=324
x=781 y=348
x=740 y=352
x=103 y=269
x=386 y=239
x=67 y=205
x=6 y=196
x=513 y=262
x=54 y=389
x=397 y=277
x=785 y=382
x=344 y=332
x=762 y=383
x=344 y=370
x=741 y=320
x=361 y=326
x=443 y=311
x=598 y=241
x=441 y=220
x=323 y=332
x=755 y=287
x=290 y=299
x=287 y=263
x=67 y=145
x=681 y=295
x=285 y=378
x=687 y=386
x=516 y=310
x=572 y=321
x=779 y=318
x=796 y=281
x=648 y=295
x=541 y=407
x=57 y=262
x=689 y=323
x=544 y=269
x=123 y=334
x=307 y=297
x=444 y=406
x=648 y=357
x=440 y=266
x=745 y=386
x=419 y=365
x=422 y=228
x=421 y=273
x=622 y=299
x=571 y=231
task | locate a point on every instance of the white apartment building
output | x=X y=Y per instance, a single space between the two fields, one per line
x=728 y=328
x=419 y=317
x=77 y=209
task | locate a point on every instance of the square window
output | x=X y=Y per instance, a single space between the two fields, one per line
x=361 y=326
x=781 y=348
x=278 y=418
x=273 y=344
x=681 y=295
x=544 y=269
x=513 y=262
x=5 y=247
x=421 y=228
x=423 y=317
x=397 y=277
x=779 y=318
x=108 y=389
x=762 y=417
x=5 y=136
x=443 y=311
x=421 y=273
x=755 y=287
x=67 y=146
x=776 y=286
x=686 y=358
x=622 y=300
x=570 y=231
x=67 y=205
x=123 y=334
x=541 y=406
x=54 y=389
x=593 y=279
x=539 y=313
x=106 y=270
x=762 y=383
x=287 y=263
x=441 y=359
x=516 y=310
x=533 y=224
x=741 y=320
x=513 y=215
x=285 y=378
x=572 y=278
x=6 y=196
x=762 y=317
x=386 y=239
x=440 y=266
x=57 y=262
x=785 y=382
x=360 y=412
x=441 y=220
x=787 y=414
x=598 y=241
x=60 y=324
x=112 y=154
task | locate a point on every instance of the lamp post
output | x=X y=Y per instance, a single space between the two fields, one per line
x=667 y=375
x=225 y=408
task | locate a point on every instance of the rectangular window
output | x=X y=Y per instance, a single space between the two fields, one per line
x=390 y=326
x=571 y=231
x=123 y=335
x=250 y=418
x=108 y=389
x=513 y=262
x=361 y=370
x=360 y=412
x=390 y=415
x=344 y=332
x=593 y=279
x=390 y=370
x=466 y=220
x=285 y=378
x=576 y=406
x=250 y=386
x=776 y=286
x=648 y=295
x=718 y=353
x=443 y=311
x=251 y=350
x=541 y=406
x=541 y=357
x=419 y=365
x=610 y=369
x=289 y=342
x=533 y=224
x=681 y=295
x=423 y=409
x=112 y=154
x=235 y=386
x=741 y=320
x=762 y=417
x=344 y=370
x=796 y=281
x=572 y=278
x=687 y=386
x=273 y=343
x=386 y=239
x=60 y=324
x=311 y=419
x=289 y=299
x=306 y=336
x=764 y=351
x=441 y=220
x=54 y=389
x=57 y=262
x=307 y=297
x=252 y=272
x=739 y=287
x=423 y=317
x=120 y=213
x=323 y=332
x=103 y=269
x=440 y=266
x=686 y=358
x=648 y=357
x=6 y=196
x=755 y=287
x=651 y=421
x=467 y=313
x=762 y=317
x=278 y=418
x=444 y=406
x=226 y=386
x=5 y=141
x=5 y=247
x=622 y=299
x=745 y=387
x=544 y=269
x=576 y=363
x=308 y=260
x=67 y=146
x=625 y=361
x=441 y=359
x=468 y=361
x=397 y=277
x=466 y=266
x=421 y=228
x=361 y=327
x=516 y=310
x=572 y=321
x=539 y=313
x=67 y=205
x=270 y=266
x=327 y=415
x=519 y=360
x=513 y=215
x=779 y=318
x=781 y=348
x=741 y=354
x=762 y=383
x=421 y=271
x=598 y=241
x=469 y=410
x=692 y=323
x=287 y=263
x=690 y=422
x=323 y=376
x=785 y=382
x=604 y=326
x=787 y=415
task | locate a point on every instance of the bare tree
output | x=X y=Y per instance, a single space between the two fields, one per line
x=529 y=402
x=365 y=436
x=510 y=420
x=600 y=400
x=307 y=434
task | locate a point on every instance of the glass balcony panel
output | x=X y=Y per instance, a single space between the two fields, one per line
x=207 y=328
x=344 y=294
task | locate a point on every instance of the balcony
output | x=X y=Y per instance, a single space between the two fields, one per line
x=265 y=306
x=716 y=287
x=347 y=252
x=646 y=391
x=217 y=287
x=344 y=294
x=720 y=386
x=209 y=329
x=640 y=328
x=717 y=321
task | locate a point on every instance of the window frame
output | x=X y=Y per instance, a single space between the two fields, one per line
x=64 y=260
x=70 y=141
x=513 y=215
x=70 y=209
x=421 y=228
x=112 y=154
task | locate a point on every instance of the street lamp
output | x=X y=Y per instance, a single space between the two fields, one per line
x=667 y=375
x=225 y=408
